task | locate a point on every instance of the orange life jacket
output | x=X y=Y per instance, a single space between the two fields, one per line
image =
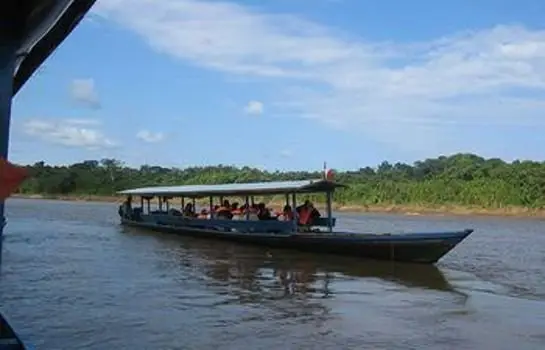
x=304 y=216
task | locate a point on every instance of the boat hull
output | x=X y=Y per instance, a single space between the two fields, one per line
x=426 y=248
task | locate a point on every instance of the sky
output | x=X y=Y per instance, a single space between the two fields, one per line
x=289 y=84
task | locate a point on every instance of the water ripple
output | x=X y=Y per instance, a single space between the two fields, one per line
x=73 y=278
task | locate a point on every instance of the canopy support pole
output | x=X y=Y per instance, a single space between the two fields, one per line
x=329 y=210
x=294 y=209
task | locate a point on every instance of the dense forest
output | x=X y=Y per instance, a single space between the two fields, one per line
x=461 y=179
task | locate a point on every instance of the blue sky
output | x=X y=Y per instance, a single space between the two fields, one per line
x=288 y=84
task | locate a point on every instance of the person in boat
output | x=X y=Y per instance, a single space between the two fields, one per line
x=189 y=210
x=125 y=209
x=274 y=213
x=237 y=212
x=250 y=212
x=307 y=213
x=263 y=212
x=203 y=214
x=305 y=204
x=287 y=213
x=214 y=211
x=224 y=212
x=254 y=208
x=174 y=212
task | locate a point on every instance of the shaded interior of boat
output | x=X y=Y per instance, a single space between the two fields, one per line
x=207 y=218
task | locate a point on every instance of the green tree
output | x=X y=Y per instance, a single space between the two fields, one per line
x=460 y=179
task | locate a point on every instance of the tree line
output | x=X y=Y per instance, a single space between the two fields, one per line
x=460 y=179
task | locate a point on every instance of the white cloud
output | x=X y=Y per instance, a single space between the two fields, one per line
x=84 y=91
x=150 y=137
x=68 y=132
x=286 y=153
x=254 y=108
x=88 y=122
x=408 y=94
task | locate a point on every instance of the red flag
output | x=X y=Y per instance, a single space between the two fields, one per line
x=329 y=174
x=11 y=177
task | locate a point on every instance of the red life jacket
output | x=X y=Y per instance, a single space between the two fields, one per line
x=304 y=216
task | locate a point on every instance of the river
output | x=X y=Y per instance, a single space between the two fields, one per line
x=73 y=278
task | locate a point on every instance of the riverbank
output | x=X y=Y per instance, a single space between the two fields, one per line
x=414 y=210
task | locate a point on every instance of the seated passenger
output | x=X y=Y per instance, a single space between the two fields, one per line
x=189 y=210
x=236 y=212
x=125 y=209
x=262 y=212
x=274 y=213
x=287 y=214
x=315 y=213
x=224 y=212
x=307 y=213
x=213 y=211
x=299 y=208
x=226 y=204
x=203 y=215
x=250 y=213
x=174 y=212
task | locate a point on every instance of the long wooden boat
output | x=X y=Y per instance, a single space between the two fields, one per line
x=319 y=236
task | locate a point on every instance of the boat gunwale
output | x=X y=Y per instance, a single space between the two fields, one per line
x=400 y=237
x=388 y=245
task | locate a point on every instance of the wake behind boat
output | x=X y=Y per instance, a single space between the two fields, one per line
x=299 y=227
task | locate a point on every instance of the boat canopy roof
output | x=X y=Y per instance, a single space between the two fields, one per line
x=241 y=189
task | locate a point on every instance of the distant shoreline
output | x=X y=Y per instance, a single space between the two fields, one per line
x=408 y=210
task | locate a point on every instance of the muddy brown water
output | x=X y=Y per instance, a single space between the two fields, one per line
x=73 y=278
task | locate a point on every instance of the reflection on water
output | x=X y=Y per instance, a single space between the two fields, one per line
x=253 y=274
x=300 y=273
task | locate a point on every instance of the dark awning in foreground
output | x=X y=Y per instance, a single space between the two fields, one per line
x=43 y=25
